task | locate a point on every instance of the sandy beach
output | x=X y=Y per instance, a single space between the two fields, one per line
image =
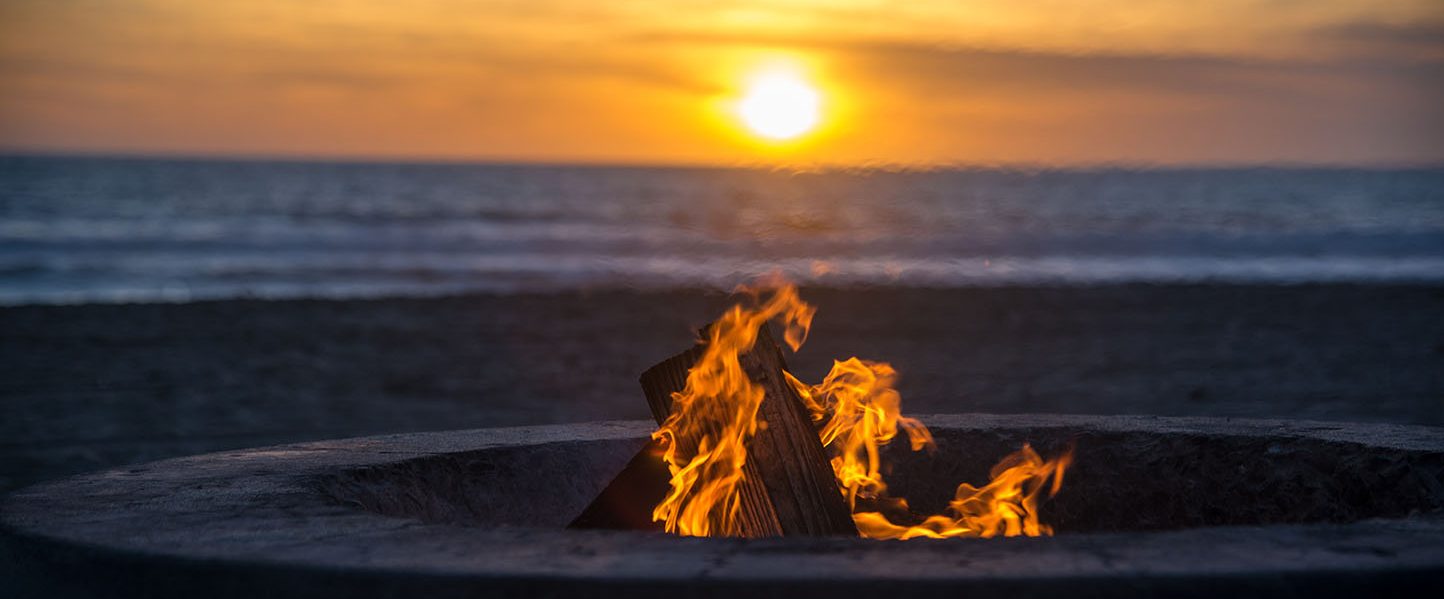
x=94 y=386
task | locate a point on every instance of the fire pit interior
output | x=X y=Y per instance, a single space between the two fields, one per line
x=1123 y=480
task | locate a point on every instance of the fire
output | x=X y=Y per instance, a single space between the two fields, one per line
x=857 y=411
x=860 y=413
x=705 y=437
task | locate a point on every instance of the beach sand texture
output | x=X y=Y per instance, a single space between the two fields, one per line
x=86 y=387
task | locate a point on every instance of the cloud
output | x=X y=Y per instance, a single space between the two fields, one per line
x=1422 y=34
x=942 y=67
x=1419 y=43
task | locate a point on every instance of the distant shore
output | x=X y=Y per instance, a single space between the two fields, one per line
x=86 y=387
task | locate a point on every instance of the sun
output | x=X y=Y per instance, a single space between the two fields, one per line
x=780 y=106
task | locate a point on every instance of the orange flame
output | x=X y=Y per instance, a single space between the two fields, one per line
x=1008 y=505
x=858 y=412
x=705 y=437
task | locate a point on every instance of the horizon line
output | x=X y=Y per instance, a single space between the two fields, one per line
x=875 y=166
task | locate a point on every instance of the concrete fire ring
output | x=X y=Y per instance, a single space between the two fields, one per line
x=1153 y=506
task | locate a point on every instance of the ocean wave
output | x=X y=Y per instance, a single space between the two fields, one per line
x=78 y=230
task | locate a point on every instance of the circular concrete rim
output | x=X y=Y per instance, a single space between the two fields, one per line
x=254 y=507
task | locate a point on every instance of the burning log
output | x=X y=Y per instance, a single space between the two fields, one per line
x=740 y=455
x=788 y=487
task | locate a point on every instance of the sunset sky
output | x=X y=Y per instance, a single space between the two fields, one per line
x=628 y=81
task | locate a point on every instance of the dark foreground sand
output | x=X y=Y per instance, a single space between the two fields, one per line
x=93 y=386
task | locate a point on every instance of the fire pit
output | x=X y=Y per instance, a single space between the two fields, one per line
x=1152 y=505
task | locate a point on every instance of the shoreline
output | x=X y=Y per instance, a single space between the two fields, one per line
x=720 y=291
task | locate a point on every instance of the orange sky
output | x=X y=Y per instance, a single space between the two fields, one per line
x=913 y=83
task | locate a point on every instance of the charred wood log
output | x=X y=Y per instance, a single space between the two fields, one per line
x=788 y=489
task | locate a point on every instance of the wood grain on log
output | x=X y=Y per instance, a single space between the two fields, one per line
x=788 y=487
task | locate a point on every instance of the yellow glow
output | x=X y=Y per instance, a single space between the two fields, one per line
x=780 y=106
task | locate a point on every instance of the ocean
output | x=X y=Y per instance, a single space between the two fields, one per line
x=107 y=230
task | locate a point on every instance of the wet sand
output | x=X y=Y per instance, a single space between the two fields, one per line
x=86 y=387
